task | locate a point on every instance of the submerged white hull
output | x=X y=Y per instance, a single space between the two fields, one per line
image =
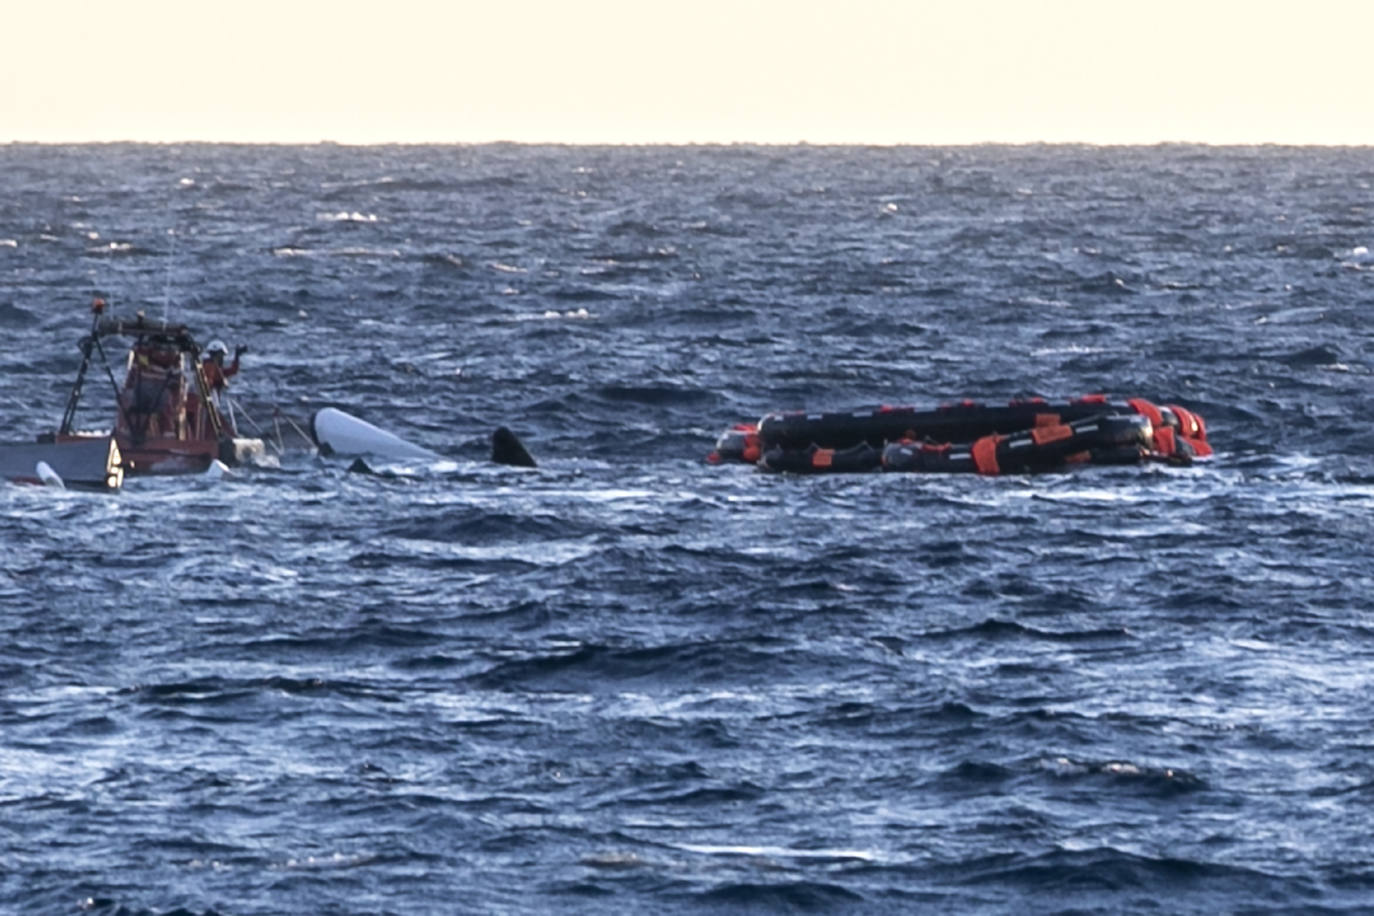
x=339 y=433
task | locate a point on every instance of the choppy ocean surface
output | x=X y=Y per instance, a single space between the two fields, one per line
x=628 y=681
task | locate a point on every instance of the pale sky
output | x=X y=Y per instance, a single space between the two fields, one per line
x=694 y=71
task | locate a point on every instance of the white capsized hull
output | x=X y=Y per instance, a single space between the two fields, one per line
x=342 y=433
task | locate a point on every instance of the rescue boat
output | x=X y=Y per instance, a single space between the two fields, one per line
x=167 y=418
x=1024 y=436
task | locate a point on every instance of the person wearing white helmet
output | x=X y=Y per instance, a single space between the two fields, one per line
x=217 y=376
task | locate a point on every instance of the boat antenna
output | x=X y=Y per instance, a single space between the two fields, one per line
x=167 y=281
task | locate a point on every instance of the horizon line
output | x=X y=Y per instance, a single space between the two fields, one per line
x=1108 y=144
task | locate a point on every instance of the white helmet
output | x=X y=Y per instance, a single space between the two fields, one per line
x=216 y=346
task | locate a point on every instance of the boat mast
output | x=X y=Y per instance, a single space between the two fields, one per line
x=89 y=342
x=167 y=277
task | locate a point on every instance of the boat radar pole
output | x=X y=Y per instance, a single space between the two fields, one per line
x=87 y=344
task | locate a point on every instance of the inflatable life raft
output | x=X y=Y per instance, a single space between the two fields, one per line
x=1025 y=436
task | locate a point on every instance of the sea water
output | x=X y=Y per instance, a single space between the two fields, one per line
x=629 y=680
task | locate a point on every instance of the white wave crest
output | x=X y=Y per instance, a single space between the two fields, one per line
x=346 y=217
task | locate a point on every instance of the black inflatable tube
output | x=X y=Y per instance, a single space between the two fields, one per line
x=816 y=460
x=953 y=423
x=1097 y=440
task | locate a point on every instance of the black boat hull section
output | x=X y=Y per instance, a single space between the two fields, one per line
x=506 y=448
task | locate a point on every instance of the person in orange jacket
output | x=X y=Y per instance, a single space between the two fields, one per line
x=217 y=376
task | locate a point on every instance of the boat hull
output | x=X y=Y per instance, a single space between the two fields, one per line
x=339 y=433
x=169 y=456
x=91 y=462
